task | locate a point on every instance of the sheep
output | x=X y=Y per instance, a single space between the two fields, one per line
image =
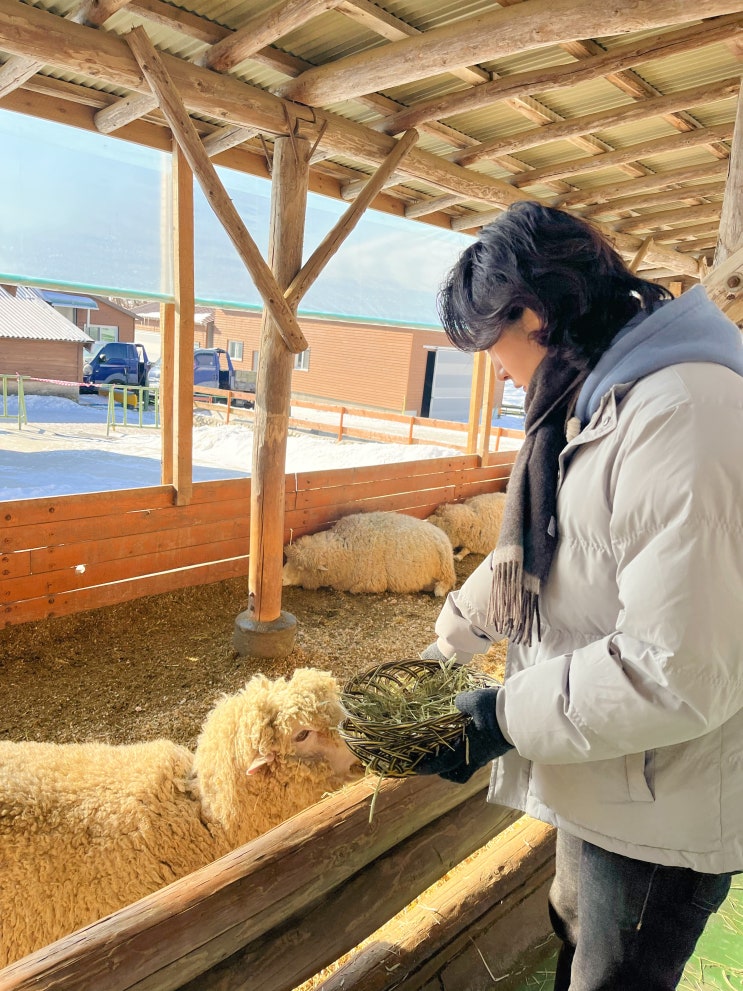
x=373 y=552
x=88 y=828
x=472 y=526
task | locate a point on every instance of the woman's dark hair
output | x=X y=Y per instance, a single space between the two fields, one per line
x=551 y=262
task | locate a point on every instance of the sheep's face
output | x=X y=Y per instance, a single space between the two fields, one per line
x=313 y=745
x=300 y=722
x=452 y=520
x=306 y=558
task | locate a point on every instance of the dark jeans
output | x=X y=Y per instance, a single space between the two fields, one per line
x=626 y=925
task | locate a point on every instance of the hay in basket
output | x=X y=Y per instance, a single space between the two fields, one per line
x=402 y=711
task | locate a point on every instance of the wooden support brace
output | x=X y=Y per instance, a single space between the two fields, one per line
x=188 y=139
x=227 y=137
x=333 y=240
x=124 y=112
x=641 y=252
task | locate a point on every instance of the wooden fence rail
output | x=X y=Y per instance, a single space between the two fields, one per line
x=274 y=912
x=416 y=429
x=67 y=554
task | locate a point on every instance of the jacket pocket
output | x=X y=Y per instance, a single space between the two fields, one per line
x=639 y=769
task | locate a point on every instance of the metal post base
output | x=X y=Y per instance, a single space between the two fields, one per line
x=252 y=638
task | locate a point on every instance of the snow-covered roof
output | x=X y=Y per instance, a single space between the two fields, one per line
x=25 y=319
x=151 y=311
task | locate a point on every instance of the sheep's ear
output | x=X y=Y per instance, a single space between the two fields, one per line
x=260 y=761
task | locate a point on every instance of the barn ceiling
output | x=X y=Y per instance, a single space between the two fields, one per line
x=620 y=112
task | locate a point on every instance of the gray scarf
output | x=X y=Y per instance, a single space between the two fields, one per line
x=528 y=534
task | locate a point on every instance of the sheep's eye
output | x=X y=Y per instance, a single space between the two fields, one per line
x=301 y=735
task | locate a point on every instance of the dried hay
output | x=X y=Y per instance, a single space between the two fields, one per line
x=398 y=713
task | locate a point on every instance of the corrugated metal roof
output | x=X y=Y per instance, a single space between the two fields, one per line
x=25 y=319
x=359 y=26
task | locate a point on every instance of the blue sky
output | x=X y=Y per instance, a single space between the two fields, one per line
x=84 y=210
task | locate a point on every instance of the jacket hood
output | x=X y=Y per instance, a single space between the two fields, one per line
x=690 y=328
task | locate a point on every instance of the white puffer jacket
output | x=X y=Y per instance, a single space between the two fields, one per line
x=627 y=717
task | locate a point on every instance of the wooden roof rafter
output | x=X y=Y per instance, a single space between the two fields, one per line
x=433 y=185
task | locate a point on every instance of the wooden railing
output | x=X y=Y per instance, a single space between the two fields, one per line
x=337 y=422
x=67 y=554
x=275 y=912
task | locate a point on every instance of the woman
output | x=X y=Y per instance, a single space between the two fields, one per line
x=617 y=579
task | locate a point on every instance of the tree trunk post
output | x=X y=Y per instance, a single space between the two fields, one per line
x=264 y=629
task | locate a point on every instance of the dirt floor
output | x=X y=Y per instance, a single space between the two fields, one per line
x=154 y=667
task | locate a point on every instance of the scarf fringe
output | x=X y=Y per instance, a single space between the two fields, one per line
x=514 y=602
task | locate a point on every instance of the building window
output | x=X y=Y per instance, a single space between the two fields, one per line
x=256 y=355
x=101 y=332
x=235 y=350
x=302 y=361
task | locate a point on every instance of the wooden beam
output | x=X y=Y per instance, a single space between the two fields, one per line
x=683 y=233
x=564 y=76
x=381 y=22
x=603 y=119
x=678 y=194
x=333 y=240
x=17 y=69
x=260 y=30
x=190 y=142
x=423 y=208
x=658 y=146
x=664 y=218
x=26 y=30
x=534 y=24
x=730 y=237
x=658 y=180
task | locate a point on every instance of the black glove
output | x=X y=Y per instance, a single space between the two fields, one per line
x=484 y=740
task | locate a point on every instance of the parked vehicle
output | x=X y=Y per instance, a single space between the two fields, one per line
x=116 y=362
x=212 y=369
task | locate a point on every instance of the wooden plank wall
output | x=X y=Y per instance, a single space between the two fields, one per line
x=72 y=553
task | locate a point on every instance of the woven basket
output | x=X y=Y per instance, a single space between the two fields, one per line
x=400 y=712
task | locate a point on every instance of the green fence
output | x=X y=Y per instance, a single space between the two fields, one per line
x=20 y=414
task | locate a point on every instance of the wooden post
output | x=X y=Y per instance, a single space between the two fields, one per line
x=478 y=379
x=263 y=629
x=730 y=236
x=486 y=412
x=165 y=397
x=183 y=277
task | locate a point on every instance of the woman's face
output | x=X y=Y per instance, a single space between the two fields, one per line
x=515 y=355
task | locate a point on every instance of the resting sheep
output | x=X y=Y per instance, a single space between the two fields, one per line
x=88 y=828
x=373 y=552
x=472 y=526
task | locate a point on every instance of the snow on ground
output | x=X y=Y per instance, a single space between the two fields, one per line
x=66 y=448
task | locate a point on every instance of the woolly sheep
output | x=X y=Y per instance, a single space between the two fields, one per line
x=88 y=828
x=472 y=526
x=373 y=552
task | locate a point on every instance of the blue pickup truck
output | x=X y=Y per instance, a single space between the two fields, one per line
x=212 y=369
x=117 y=363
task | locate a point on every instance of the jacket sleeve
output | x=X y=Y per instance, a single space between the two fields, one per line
x=461 y=628
x=672 y=670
